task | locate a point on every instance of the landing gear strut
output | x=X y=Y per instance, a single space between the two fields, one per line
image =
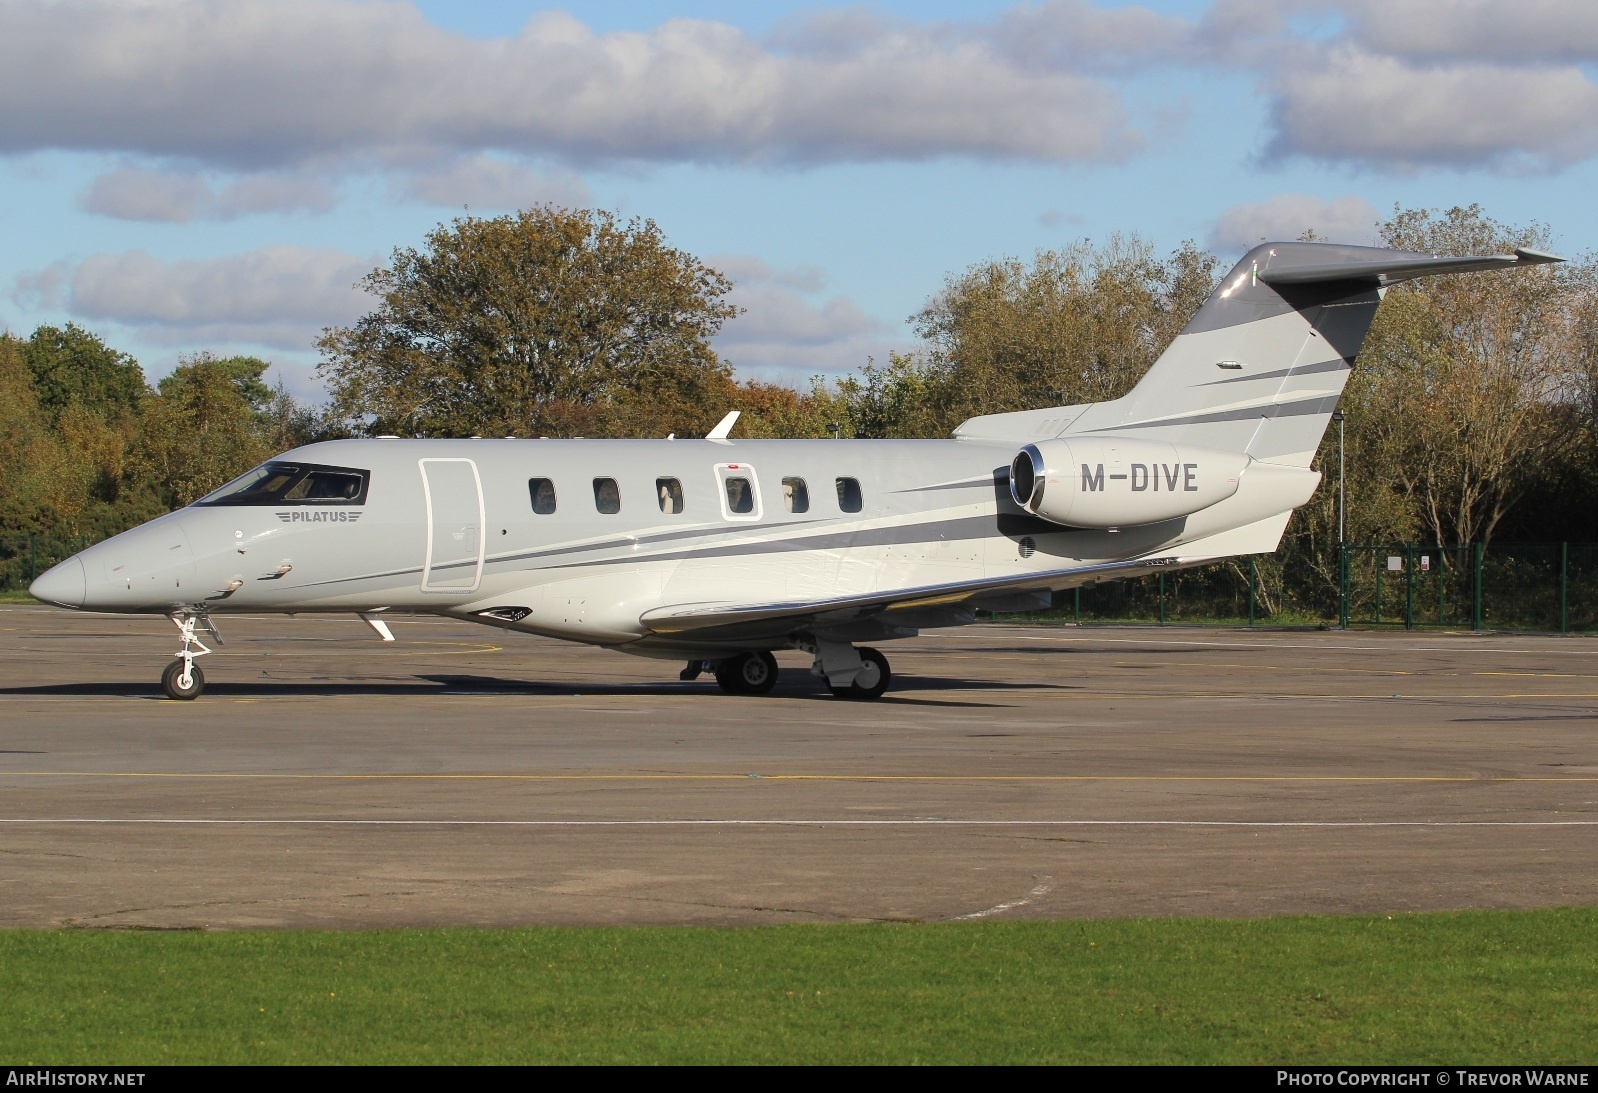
x=747 y=673
x=182 y=680
x=850 y=672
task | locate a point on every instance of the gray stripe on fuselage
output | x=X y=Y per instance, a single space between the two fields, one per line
x=1302 y=408
x=1334 y=365
x=966 y=484
x=608 y=544
x=968 y=527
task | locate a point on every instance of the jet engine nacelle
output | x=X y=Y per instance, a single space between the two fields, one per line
x=1111 y=482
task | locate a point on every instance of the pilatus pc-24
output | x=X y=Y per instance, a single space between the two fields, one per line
x=718 y=551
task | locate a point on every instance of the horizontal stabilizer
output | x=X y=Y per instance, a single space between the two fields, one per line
x=1390 y=270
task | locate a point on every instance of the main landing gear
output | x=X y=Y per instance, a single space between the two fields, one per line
x=870 y=681
x=182 y=679
x=849 y=672
x=747 y=673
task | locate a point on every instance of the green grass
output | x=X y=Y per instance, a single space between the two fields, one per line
x=1474 y=987
x=16 y=595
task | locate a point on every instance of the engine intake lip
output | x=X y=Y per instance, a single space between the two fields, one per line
x=1026 y=478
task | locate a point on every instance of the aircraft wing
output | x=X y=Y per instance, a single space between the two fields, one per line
x=699 y=619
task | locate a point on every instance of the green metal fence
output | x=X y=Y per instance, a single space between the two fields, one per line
x=1504 y=586
x=1547 y=587
x=24 y=557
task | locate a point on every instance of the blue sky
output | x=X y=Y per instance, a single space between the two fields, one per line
x=187 y=176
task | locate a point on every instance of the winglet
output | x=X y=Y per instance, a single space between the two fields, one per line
x=724 y=426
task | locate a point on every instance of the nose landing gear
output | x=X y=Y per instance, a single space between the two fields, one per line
x=182 y=680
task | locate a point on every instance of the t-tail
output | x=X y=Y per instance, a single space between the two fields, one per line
x=1259 y=369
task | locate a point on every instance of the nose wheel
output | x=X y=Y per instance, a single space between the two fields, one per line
x=182 y=679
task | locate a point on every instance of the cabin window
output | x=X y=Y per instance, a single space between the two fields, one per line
x=740 y=496
x=607 y=496
x=795 y=495
x=849 y=495
x=541 y=491
x=740 y=491
x=293 y=484
x=669 y=490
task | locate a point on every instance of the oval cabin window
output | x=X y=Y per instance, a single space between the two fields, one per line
x=670 y=493
x=607 y=496
x=541 y=491
x=849 y=495
x=795 y=495
x=740 y=496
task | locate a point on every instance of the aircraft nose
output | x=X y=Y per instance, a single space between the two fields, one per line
x=62 y=584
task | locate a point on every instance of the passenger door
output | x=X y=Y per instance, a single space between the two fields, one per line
x=454 y=497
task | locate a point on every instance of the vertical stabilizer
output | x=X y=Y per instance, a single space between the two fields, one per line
x=1259 y=369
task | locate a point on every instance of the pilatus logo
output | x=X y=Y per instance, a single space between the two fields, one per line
x=319 y=516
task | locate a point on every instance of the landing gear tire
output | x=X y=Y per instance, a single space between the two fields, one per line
x=172 y=681
x=872 y=681
x=747 y=673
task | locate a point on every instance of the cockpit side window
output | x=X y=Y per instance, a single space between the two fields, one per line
x=294 y=484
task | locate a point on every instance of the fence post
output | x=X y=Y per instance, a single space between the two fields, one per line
x=1342 y=586
x=1162 y=599
x=1564 y=584
x=33 y=560
x=1476 y=560
x=1253 y=580
x=1442 y=582
x=1409 y=586
x=1076 y=610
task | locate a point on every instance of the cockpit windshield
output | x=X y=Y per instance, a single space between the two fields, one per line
x=293 y=484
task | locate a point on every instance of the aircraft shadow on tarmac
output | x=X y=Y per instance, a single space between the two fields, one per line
x=793 y=687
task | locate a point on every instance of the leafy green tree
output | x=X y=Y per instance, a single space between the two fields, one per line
x=550 y=321
x=1076 y=325
x=200 y=429
x=73 y=367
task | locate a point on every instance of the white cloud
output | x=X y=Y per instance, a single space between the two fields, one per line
x=1366 y=108
x=271 y=82
x=1482 y=30
x=1074 y=35
x=278 y=296
x=178 y=196
x=487 y=182
x=1347 y=219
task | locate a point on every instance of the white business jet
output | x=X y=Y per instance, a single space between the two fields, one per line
x=718 y=551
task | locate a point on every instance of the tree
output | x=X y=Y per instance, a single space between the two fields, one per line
x=71 y=366
x=1078 y=325
x=1468 y=380
x=546 y=322
x=200 y=429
